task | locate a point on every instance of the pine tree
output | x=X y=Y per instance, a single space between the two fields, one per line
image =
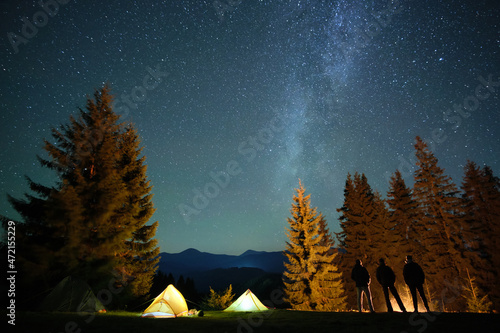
x=402 y=210
x=94 y=219
x=327 y=288
x=380 y=235
x=439 y=216
x=481 y=228
x=311 y=279
x=403 y=223
x=140 y=258
x=345 y=222
x=360 y=226
x=380 y=230
x=84 y=208
x=87 y=209
x=357 y=213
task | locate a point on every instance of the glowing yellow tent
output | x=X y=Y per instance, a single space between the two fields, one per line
x=169 y=304
x=247 y=302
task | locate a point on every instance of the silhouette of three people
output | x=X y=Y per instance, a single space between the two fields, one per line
x=413 y=275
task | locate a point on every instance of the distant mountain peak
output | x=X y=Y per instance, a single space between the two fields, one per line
x=190 y=251
x=249 y=252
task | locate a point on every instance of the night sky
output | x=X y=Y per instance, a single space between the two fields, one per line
x=237 y=100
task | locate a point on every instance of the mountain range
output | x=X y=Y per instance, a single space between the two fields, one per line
x=252 y=269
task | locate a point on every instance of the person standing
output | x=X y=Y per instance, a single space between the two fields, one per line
x=387 y=278
x=414 y=277
x=360 y=275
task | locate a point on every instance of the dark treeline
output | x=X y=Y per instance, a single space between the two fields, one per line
x=454 y=234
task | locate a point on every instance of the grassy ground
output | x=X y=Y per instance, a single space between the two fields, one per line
x=269 y=321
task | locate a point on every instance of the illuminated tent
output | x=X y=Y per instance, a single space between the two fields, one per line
x=71 y=295
x=247 y=302
x=169 y=304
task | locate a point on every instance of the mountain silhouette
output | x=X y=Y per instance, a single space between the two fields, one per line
x=220 y=270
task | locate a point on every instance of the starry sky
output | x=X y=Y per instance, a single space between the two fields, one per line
x=235 y=100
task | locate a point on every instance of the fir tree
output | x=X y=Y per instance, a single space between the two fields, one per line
x=381 y=231
x=481 y=228
x=402 y=209
x=84 y=210
x=140 y=257
x=360 y=225
x=345 y=221
x=403 y=223
x=439 y=216
x=327 y=288
x=92 y=223
x=311 y=279
x=357 y=213
x=380 y=235
x=404 y=238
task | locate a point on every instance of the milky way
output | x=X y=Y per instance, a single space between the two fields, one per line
x=237 y=100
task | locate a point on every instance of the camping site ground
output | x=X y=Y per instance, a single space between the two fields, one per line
x=267 y=321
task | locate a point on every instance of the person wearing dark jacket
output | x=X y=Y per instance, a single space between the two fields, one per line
x=414 y=277
x=387 y=278
x=360 y=275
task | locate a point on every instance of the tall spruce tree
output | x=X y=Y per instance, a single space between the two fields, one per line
x=311 y=279
x=360 y=226
x=403 y=218
x=140 y=258
x=327 y=290
x=439 y=215
x=87 y=209
x=92 y=223
x=357 y=214
x=380 y=235
x=481 y=228
x=403 y=212
x=405 y=230
x=346 y=212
